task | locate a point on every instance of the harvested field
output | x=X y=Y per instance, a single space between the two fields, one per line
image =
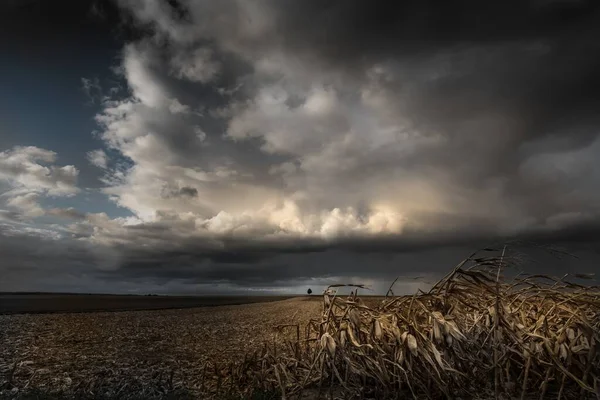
x=85 y=352
x=16 y=303
x=475 y=335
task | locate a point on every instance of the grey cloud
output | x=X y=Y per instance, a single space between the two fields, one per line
x=178 y=264
x=348 y=33
x=29 y=176
x=188 y=191
x=270 y=143
x=32 y=260
x=70 y=213
x=243 y=269
x=11 y=216
x=92 y=89
x=98 y=158
x=184 y=191
x=417 y=110
x=197 y=65
x=31 y=168
x=27 y=204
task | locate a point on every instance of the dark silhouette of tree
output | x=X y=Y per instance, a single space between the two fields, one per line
x=309 y=291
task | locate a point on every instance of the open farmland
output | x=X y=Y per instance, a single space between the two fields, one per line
x=475 y=335
x=15 y=303
x=85 y=352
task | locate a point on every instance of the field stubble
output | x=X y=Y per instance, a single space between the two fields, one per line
x=110 y=351
x=475 y=334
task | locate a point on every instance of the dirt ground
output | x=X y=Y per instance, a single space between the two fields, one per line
x=19 y=303
x=61 y=351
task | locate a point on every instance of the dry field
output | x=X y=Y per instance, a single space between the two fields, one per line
x=18 y=303
x=475 y=335
x=108 y=352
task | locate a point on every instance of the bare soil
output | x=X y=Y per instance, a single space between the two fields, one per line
x=18 y=303
x=60 y=351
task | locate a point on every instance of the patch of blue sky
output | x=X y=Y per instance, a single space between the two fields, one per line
x=46 y=106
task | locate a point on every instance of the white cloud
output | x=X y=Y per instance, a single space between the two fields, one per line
x=177 y=108
x=31 y=175
x=137 y=60
x=288 y=145
x=31 y=168
x=28 y=204
x=342 y=141
x=98 y=158
x=279 y=128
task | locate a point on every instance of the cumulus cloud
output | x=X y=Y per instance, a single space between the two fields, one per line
x=98 y=158
x=28 y=204
x=32 y=168
x=268 y=132
x=30 y=175
x=197 y=65
x=337 y=130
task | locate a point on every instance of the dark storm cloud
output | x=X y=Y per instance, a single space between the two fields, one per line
x=38 y=24
x=246 y=264
x=185 y=191
x=32 y=260
x=499 y=79
x=202 y=105
x=11 y=216
x=523 y=79
x=516 y=72
x=522 y=74
x=181 y=266
x=238 y=109
x=188 y=191
x=335 y=266
x=350 y=33
x=353 y=30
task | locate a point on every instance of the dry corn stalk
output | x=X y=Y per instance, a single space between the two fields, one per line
x=474 y=332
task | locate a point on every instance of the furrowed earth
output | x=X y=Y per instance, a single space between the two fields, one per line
x=86 y=352
x=474 y=335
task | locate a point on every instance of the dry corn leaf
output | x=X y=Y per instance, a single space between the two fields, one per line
x=411 y=343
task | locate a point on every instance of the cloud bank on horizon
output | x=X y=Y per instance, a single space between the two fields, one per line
x=282 y=143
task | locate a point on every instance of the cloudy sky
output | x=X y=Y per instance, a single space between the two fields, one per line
x=235 y=146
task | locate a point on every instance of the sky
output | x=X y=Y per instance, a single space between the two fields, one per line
x=269 y=146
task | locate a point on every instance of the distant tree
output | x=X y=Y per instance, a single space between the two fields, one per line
x=309 y=291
